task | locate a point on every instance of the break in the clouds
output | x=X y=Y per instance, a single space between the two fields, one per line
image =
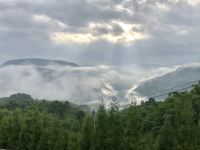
x=114 y=32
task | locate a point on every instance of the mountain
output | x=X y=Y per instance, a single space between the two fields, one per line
x=180 y=78
x=38 y=62
x=26 y=102
x=52 y=80
x=64 y=81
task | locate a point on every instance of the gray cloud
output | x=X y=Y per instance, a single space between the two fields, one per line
x=172 y=28
x=102 y=30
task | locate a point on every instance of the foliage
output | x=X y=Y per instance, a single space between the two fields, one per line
x=30 y=124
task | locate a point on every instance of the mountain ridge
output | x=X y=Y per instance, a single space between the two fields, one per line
x=180 y=76
x=38 y=62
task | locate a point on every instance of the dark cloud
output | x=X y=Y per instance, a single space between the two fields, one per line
x=114 y=29
x=117 y=29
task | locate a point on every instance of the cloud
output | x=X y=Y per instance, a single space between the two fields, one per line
x=113 y=34
x=137 y=30
x=81 y=85
x=194 y=2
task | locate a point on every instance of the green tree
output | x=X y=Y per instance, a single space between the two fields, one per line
x=132 y=129
x=87 y=133
x=115 y=132
x=167 y=137
x=101 y=129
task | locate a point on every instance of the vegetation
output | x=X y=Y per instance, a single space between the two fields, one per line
x=27 y=124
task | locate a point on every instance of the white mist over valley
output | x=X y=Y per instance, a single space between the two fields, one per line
x=59 y=80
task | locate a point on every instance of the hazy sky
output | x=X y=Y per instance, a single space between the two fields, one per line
x=113 y=32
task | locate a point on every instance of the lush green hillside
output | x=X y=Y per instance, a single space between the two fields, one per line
x=170 y=125
x=25 y=102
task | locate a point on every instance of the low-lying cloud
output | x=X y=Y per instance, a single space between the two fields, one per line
x=81 y=85
x=76 y=84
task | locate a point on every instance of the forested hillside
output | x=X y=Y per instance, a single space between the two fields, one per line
x=174 y=124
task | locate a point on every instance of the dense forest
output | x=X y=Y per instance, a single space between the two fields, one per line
x=28 y=124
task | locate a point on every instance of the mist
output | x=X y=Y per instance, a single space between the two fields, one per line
x=80 y=85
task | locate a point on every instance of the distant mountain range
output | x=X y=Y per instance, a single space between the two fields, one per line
x=38 y=62
x=181 y=78
x=52 y=79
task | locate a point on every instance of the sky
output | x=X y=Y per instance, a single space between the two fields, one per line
x=94 y=32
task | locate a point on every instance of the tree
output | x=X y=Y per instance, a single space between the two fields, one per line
x=167 y=138
x=196 y=109
x=132 y=129
x=87 y=133
x=101 y=129
x=115 y=132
